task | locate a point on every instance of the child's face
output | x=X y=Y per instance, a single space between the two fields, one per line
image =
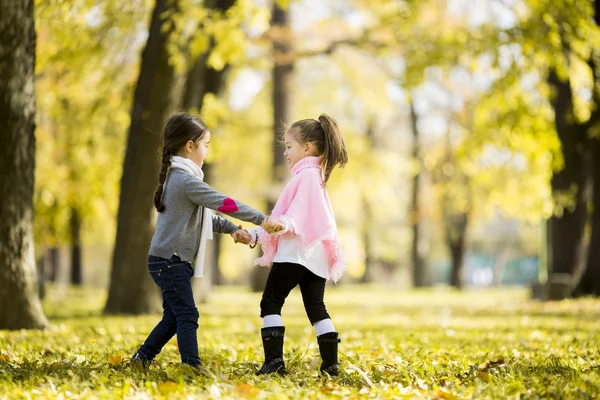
x=294 y=150
x=199 y=151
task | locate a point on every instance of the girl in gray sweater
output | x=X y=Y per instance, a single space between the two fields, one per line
x=183 y=202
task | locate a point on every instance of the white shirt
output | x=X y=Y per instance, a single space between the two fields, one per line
x=289 y=250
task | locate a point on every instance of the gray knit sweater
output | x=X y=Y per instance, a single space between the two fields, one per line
x=178 y=227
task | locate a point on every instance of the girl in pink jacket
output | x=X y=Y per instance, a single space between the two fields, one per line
x=300 y=242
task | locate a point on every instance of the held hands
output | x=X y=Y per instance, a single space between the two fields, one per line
x=272 y=225
x=241 y=236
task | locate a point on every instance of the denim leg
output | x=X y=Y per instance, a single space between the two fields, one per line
x=178 y=295
x=165 y=329
x=160 y=335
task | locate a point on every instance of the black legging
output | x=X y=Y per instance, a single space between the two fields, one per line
x=283 y=277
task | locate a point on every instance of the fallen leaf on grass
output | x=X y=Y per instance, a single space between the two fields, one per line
x=115 y=360
x=58 y=365
x=167 y=387
x=443 y=393
x=246 y=390
x=491 y=365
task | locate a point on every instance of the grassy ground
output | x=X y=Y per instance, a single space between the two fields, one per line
x=424 y=344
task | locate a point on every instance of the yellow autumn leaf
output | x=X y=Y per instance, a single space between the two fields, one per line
x=56 y=365
x=443 y=393
x=246 y=390
x=115 y=360
x=167 y=387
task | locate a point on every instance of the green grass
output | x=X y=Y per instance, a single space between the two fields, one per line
x=420 y=344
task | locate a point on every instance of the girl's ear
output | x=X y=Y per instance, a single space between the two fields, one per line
x=308 y=148
x=189 y=146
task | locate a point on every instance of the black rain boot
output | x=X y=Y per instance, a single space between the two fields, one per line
x=328 y=347
x=272 y=339
x=138 y=359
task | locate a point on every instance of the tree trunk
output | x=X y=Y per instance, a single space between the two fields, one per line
x=367 y=218
x=41 y=278
x=282 y=75
x=20 y=306
x=202 y=80
x=131 y=288
x=193 y=92
x=421 y=276
x=567 y=226
x=589 y=283
x=53 y=259
x=217 y=276
x=76 y=265
x=456 y=230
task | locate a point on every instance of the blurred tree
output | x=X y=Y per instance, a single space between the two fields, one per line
x=203 y=79
x=569 y=183
x=367 y=213
x=455 y=203
x=421 y=273
x=589 y=283
x=572 y=36
x=76 y=267
x=282 y=75
x=19 y=306
x=131 y=288
x=80 y=122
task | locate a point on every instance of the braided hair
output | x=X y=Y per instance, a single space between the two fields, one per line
x=179 y=129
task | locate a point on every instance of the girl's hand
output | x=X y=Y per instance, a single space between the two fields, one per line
x=272 y=225
x=241 y=236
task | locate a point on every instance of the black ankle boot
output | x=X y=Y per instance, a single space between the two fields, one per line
x=138 y=359
x=272 y=339
x=328 y=347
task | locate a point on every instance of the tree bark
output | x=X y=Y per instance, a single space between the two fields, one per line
x=282 y=75
x=367 y=276
x=456 y=230
x=53 y=259
x=568 y=225
x=589 y=283
x=20 y=306
x=76 y=264
x=202 y=80
x=131 y=288
x=421 y=276
x=41 y=278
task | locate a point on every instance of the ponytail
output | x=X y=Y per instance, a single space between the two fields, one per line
x=334 y=149
x=327 y=138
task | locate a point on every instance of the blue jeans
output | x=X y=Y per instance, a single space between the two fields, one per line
x=180 y=314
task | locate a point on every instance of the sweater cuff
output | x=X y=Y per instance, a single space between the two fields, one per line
x=231 y=227
x=255 y=233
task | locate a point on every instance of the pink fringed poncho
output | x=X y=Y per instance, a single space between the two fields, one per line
x=306 y=209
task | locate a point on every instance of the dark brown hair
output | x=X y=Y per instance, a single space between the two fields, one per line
x=179 y=129
x=327 y=138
